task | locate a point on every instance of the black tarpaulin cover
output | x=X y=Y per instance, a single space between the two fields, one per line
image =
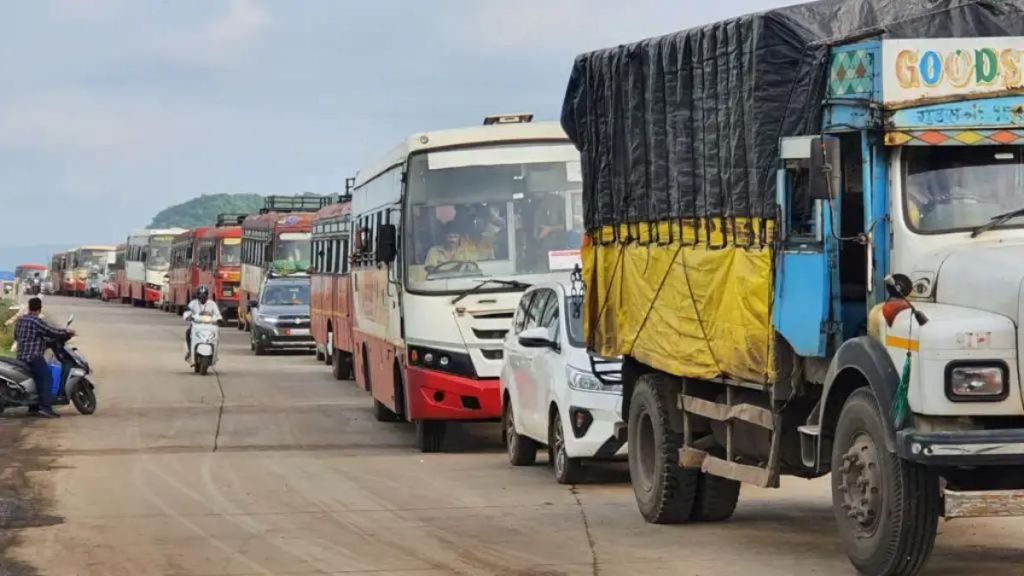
x=687 y=125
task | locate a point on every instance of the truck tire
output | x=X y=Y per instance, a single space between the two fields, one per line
x=716 y=498
x=430 y=435
x=887 y=509
x=665 y=493
x=522 y=451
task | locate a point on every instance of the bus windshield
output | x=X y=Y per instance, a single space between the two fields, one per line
x=292 y=252
x=95 y=260
x=508 y=211
x=158 y=254
x=958 y=188
x=231 y=252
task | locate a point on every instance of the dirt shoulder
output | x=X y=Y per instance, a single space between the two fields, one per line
x=22 y=505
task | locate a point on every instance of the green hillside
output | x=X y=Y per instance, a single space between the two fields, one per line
x=203 y=211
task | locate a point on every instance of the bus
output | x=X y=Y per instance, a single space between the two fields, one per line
x=26 y=274
x=60 y=277
x=183 y=272
x=220 y=263
x=89 y=268
x=147 y=261
x=116 y=285
x=455 y=225
x=277 y=239
x=331 y=288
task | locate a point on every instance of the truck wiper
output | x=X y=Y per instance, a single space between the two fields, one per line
x=482 y=283
x=996 y=221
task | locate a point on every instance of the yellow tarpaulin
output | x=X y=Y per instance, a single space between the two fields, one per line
x=693 y=309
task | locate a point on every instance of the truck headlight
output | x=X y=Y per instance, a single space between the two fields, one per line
x=587 y=382
x=976 y=381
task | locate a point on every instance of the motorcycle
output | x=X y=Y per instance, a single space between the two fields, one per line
x=205 y=337
x=71 y=379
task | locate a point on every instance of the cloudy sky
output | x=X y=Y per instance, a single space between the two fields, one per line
x=111 y=110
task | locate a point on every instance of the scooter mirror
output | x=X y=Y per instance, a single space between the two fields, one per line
x=71 y=319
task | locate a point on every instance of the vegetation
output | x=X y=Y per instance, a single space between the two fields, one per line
x=6 y=332
x=203 y=211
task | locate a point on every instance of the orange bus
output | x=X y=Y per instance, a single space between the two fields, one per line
x=220 y=263
x=61 y=281
x=277 y=239
x=183 y=273
x=331 y=288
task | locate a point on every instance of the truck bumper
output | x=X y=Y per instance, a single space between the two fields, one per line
x=983 y=504
x=962 y=448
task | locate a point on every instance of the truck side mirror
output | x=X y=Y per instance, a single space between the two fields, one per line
x=387 y=243
x=825 y=165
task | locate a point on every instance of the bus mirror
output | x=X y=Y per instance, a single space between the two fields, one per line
x=387 y=243
x=825 y=168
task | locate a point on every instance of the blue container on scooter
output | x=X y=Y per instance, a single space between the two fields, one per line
x=56 y=374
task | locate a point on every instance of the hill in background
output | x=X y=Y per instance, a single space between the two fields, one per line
x=203 y=211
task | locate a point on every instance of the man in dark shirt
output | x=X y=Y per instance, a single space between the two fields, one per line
x=32 y=335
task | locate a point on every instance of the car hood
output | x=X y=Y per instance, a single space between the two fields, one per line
x=289 y=310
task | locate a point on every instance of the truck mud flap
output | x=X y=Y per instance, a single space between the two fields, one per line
x=983 y=504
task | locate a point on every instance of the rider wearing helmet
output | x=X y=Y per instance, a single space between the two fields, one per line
x=201 y=305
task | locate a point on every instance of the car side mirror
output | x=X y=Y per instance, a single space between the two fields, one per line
x=537 y=337
x=825 y=168
x=254 y=304
x=70 y=320
x=387 y=243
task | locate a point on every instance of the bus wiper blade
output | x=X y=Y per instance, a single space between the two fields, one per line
x=997 y=220
x=482 y=283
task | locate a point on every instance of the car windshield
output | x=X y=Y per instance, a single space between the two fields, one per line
x=158 y=255
x=291 y=294
x=958 y=188
x=509 y=211
x=231 y=252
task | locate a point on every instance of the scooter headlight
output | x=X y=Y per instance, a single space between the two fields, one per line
x=204 y=337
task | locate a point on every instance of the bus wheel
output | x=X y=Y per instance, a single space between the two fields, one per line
x=665 y=493
x=341 y=365
x=887 y=509
x=429 y=435
x=319 y=354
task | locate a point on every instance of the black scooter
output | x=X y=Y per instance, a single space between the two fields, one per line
x=71 y=382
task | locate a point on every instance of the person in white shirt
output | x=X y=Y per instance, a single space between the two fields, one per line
x=201 y=305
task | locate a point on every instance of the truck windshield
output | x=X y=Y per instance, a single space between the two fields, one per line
x=509 y=211
x=958 y=188
x=158 y=255
x=231 y=252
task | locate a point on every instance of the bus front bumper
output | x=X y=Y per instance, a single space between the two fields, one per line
x=435 y=395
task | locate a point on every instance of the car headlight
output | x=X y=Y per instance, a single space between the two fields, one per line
x=587 y=382
x=266 y=319
x=976 y=382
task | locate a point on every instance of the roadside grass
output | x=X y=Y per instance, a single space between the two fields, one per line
x=6 y=332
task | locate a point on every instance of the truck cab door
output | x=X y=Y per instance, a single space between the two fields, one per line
x=808 y=258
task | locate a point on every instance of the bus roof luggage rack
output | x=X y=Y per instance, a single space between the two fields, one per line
x=230 y=219
x=294 y=203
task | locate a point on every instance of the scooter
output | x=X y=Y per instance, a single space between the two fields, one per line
x=205 y=337
x=71 y=381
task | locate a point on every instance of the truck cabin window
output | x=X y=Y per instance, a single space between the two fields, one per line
x=492 y=212
x=958 y=188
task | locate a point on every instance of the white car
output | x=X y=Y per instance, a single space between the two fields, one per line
x=550 y=395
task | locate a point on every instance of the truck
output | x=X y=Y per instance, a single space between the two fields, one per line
x=804 y=229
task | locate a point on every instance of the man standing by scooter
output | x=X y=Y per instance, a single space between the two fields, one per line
x=32 y=335
x=199 y=306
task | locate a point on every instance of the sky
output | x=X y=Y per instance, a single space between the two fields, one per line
x=111 y=110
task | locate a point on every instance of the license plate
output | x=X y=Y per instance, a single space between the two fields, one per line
x=229 y=292
x=299 y=332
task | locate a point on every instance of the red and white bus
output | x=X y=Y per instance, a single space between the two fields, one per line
x=279 y=238
x=89 y=268
x=147 y=262
x=183 y=276
x=331 y=288
x=26 y=274
x=61 y=281
x=116 y=286
x=450 y=228
x=220 y=260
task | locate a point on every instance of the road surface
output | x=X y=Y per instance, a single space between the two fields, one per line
x=272 y=467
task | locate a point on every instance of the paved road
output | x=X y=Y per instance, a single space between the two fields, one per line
x=271 y=467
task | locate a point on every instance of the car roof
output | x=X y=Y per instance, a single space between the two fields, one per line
x=558 y=286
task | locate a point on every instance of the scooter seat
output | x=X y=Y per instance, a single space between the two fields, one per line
x=17 y=364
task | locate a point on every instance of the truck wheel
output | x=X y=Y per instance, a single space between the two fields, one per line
x=664 y=492
x=716 y=498
x=887 y=509
x=567 y=470
x=429 y=435
x=522 y=451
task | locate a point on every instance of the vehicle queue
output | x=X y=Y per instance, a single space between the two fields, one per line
x=754 y=300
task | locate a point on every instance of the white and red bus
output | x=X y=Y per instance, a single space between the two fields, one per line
x=61 y=280
x=116 y=286
x=450 y=228
x=279 y=238
x=89 y=268
x=147 y=262
x=331 y=288
x=26 y=275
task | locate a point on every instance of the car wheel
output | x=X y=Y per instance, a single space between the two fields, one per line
x=567 y=470
x=522 y=451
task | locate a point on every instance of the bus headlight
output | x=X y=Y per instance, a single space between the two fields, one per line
x=976 y=382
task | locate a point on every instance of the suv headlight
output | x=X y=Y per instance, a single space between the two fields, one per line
x=266 y=319
x=976 y=381
x=587 y=382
